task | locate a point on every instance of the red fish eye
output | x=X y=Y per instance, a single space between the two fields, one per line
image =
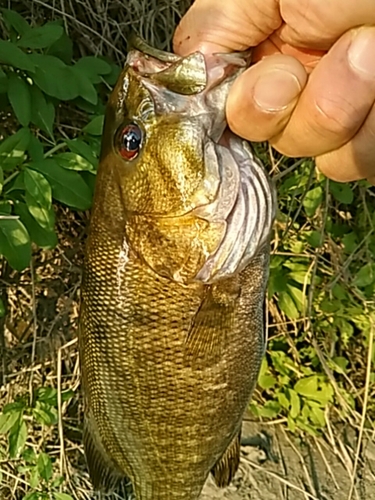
x=130 y=140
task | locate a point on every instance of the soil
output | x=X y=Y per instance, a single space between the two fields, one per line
x=39 y=348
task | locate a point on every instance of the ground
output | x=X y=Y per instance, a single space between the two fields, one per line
x=40 y=349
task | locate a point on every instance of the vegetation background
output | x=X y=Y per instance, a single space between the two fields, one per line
x=58 y=62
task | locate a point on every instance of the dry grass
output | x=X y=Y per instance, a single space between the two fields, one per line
x=38 y=344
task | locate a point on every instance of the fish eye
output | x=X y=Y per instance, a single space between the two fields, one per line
x=130 y=141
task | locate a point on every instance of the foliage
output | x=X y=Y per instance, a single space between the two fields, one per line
x=321 y=299
x=322 y=276
x=39 y=162
x=18 y=420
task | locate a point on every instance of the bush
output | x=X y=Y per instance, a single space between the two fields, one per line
x=322 y=276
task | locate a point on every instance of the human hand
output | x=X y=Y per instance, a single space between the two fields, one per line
x=312 y=90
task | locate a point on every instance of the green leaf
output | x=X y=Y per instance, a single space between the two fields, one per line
x=35 y=149
x=12 y=149
x=365 y=276
x=67 y=186
x=283 y=400
x=307 y=387
x=265 y=379
x=341 y=192
x=4 y=84
x=312 y=200
x=93 y=67
x=85 y=87
x=20 y=99
x=39 y=188
x=270 y=409
x=295 y=403
x=7 y=420
x=15 y=20
x=313 y=238
x=11 y=55
x=62 y=48
x=15 y=243
x=40 y=37
x=62 y=496
x=298 y=297
x=47 y=395
x=54 y=77
x=39 y=199
x=29 y=455
x=42 y=237
x=15 y=406
x=44 y=466
x=317 y=416
x=17 y=438
x=95 y=126
x=45 y=412
x=73 y=161
x=1 y=180
x=2 y=309
x=83 y=149
x=287 y=305
x=43 y=111
x=34 y=478
x=32 y=496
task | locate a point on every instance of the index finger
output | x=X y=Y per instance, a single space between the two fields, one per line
x=226 y=25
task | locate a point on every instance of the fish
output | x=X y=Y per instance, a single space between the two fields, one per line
x=172 y=328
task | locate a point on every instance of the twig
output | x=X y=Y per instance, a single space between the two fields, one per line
x=364 y=410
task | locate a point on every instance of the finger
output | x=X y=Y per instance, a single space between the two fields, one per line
x=225 y=25
x=262 y=99
x=336 y=100
x=356 y=159
x=273 y=45
x=318 y=24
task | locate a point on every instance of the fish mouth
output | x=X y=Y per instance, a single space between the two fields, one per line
x=245 y=205
x=236 y=192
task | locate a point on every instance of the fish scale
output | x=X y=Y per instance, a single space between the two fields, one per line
x=168 y=362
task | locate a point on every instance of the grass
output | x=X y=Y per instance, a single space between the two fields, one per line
x=318 y=372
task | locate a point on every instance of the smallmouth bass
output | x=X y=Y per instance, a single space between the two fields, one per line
x=171 y=327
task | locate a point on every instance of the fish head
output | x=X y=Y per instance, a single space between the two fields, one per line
x=196 y=202
x=160 y=117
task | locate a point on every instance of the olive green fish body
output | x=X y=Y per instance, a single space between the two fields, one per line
x=171 y=327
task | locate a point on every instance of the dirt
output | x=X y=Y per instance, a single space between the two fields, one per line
x=299 y=469
x=274 y=464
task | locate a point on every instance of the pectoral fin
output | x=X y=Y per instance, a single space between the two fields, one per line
x=207 y=337
x=225 y=469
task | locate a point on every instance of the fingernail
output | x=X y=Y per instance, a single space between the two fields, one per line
x=276 y=89
x=361 y=52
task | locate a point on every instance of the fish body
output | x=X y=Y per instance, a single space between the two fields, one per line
x=171 y=326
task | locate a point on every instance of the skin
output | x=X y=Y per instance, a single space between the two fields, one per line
x=311 y=91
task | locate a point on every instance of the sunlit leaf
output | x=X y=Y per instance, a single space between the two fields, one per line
x=17 y=437
x=15 y=243
x=312 y=200
x=12 y=149
x=67 y=186
x=42 y=237
x=44 y=466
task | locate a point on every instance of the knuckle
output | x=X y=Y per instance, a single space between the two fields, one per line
x=336 y=115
